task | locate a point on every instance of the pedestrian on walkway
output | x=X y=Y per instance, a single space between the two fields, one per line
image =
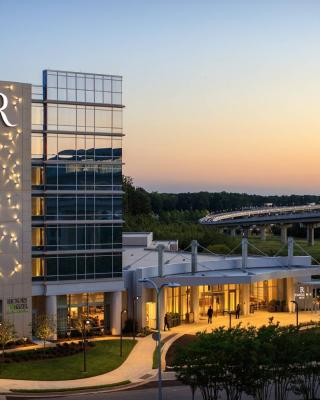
x=238 y=311
x=210 y=314
x=166 y=322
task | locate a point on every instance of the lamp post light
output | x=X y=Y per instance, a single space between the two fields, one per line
x=158 y=291
x=135 y=299
x=230 y=316
x=121 y=314
x=297 y=311
x=85 y=325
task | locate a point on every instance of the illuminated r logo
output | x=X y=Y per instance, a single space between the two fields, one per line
x=2 y=113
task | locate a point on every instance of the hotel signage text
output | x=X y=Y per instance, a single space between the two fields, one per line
x=17 y=305
x=2 y=108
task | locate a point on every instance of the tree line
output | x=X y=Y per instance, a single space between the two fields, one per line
x=139 y=201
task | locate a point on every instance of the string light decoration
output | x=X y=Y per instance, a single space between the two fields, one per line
x=10 y=176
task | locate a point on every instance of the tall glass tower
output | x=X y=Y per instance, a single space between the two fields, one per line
x=77 y=187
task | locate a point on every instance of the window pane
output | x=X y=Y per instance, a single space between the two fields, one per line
x=52 y=116
x=67 y=117
x=37 y=146
x=37 y=116
x=52 y=146
x=67 y=147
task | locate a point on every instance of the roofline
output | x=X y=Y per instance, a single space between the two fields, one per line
x=83 y=73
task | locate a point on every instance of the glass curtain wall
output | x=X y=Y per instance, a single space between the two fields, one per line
x=77 y=176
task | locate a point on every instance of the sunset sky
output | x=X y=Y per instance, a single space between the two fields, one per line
x=219 y=95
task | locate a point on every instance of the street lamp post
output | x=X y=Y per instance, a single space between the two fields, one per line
x=86 y=323
x=230 y=316
x=122 y=312
x=158 y=291
x=135 y=299
x=297 y=311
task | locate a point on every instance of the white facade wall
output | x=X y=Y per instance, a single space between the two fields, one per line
x=15 y=206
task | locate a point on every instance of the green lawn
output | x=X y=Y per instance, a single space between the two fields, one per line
x=104 y=357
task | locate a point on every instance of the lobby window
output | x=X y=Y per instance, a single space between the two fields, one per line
x=37 y=175
x=37 y=206
x=37 y=237
x=38 y=267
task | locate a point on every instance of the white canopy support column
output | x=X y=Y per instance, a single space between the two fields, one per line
x=116 y=308
x=194 y=256
x=291 y=283
x=290 y=250
x=245 y=299
x=244 y=244
x=195 y=302
x=51 y=311
x=162 y=300
x=160 y=249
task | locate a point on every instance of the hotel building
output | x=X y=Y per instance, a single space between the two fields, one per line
x=61 y=200
x=61 y=242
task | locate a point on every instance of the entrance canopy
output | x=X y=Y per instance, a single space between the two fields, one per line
x=212 y=269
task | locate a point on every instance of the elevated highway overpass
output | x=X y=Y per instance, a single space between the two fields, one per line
x=308 y=215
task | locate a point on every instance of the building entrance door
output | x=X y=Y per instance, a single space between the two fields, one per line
x=232 y=300
x=217 y=303
x=151 y=315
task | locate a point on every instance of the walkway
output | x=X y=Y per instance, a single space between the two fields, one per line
x=138 y=366
x=259 y=318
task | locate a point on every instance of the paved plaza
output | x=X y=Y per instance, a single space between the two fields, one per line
x=137 y=368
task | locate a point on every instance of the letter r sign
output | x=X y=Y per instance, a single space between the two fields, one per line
x=2 y=108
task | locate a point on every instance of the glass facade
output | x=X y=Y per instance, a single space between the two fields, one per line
x=77 y=176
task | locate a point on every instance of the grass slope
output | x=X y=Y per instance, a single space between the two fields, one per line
x=104 y=357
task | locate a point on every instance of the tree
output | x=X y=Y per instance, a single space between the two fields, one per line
x=83 y=326
x=7 y=334
x=44 y=328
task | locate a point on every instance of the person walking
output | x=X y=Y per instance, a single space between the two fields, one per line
x=210 y=314
x=238 y=311
x=166 y=322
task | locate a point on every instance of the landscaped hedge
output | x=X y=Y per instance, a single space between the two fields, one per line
x=60 y=350
x=268 y=363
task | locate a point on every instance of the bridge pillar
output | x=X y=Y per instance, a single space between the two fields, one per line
x=233 y=232
x=310 y=231
x=263 y=234
x=310 y=234
x=284 y=233
x=245 y=232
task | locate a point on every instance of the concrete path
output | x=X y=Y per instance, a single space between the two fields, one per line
x=137 y=368
x=259 y=318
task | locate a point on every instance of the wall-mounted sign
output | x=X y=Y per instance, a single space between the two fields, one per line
x=2 y=108
x=301 y=294
x=17 y=305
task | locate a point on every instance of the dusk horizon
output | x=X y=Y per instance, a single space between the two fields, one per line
x=218 y=95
